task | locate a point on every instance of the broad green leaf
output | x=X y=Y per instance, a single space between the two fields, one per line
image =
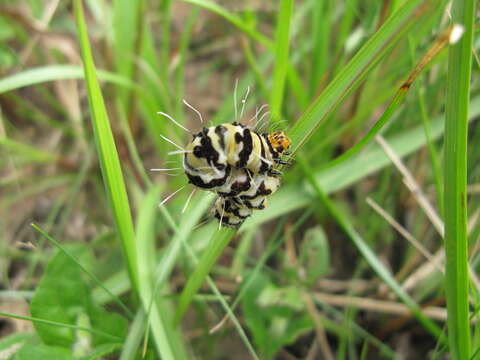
x=63 y=296
x=43 y=352
x=314 y=254
x=274 y=315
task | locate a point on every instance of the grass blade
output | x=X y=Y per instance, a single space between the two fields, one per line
x=55 y=323
x=281 y=58
x=456 y=128
x=48 y=73
x=208 y=259
x=107 y=152
x=158 y=310
x=347 y=79
x=442 y=41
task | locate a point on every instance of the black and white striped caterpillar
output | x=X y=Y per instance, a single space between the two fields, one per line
x=239 y=165
x=215 y=151
x=236 y=162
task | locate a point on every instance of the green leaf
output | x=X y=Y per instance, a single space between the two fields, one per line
x=60 y=296
x=315 y=254
x=63 y=296
x=42 y=352
x=102 y=350
x=274 y=315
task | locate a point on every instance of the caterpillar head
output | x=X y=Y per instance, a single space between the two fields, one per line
x=279 y=141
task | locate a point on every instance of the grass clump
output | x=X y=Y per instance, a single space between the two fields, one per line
x=347 y=260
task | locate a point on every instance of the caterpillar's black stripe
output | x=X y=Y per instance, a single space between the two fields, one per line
x=244 y=154
x=220 y=131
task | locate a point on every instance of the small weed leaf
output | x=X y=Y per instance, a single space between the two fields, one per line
x=315 y=254
x=273 y=315
x=63 y=296
x=42 y=352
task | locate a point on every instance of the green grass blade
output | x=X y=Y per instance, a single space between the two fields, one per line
x=218 y=242
x=282 y=43
x=107 y=152
x=49 y=73
x=456 y=129
x=348 y=78
x=165 y=336
x=55 y=323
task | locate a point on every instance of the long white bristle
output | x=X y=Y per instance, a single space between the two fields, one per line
x=166 y=169
x=261 y=119
x=244 y=101
x=170 y=196
x=191 y=107
x=257 y=112
x=188 y=201
x=235 y=99
x=173 y=120
x=171 y=142
x=179 y=152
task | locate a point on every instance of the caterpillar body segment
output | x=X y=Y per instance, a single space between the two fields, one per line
x=233 y=207
x=215 y=152
x=229 y=213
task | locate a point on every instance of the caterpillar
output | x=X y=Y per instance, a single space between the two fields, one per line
x=236 y=162
x=213 y=153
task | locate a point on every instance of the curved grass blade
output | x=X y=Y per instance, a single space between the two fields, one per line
x=107 y=153
x=390 y=32
x=208 y=259
x=49 y=73
x=68 y=326
x=442 y=41
x=456 y=131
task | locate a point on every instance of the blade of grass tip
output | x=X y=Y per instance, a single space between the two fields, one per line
x=282 y=44
x=367 y=253
x=456 y=130
x=443 y=40
x=215 y=248
x=84 y=269
x=108 y=156
x=347 y=79
x=54 y=323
